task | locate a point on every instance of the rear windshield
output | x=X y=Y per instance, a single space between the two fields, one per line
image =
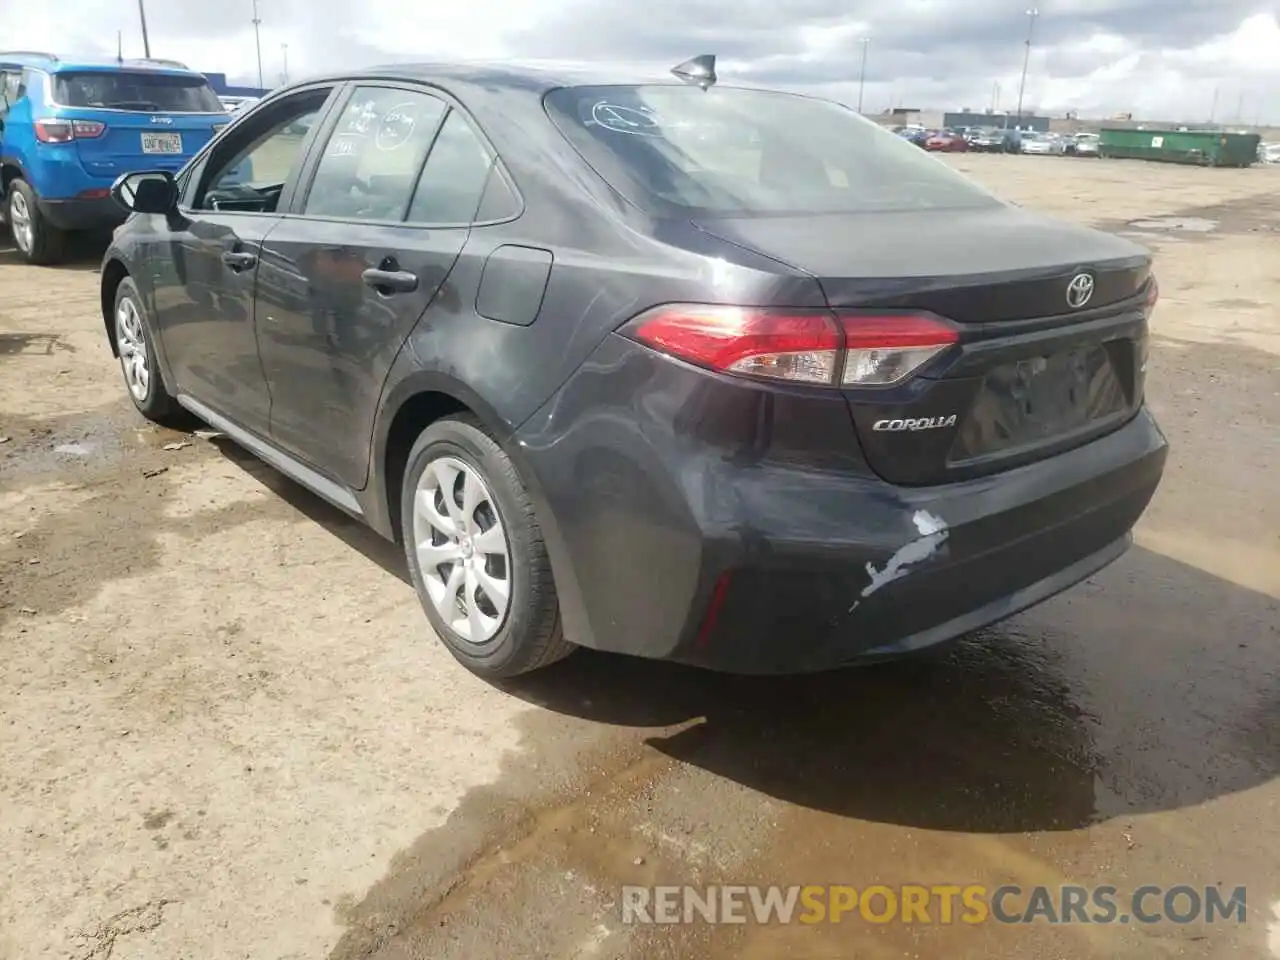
x=728 y=152
x=121 y=90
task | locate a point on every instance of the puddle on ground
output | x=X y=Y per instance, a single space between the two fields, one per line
x=37 y=447
x=1190 y=224
x=1150 y=238
x=75 y=449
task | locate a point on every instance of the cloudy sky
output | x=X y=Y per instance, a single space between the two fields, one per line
x=1172 y=59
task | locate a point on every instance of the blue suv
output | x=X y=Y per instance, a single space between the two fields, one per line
x=69 y=128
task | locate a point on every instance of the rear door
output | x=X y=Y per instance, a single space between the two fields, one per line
x=348 y=273
x=149 y=119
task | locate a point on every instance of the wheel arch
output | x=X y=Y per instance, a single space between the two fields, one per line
x=412 y=405
x=114 y=271
x=10 y=170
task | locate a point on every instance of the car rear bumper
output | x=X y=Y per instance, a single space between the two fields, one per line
x=99 y=213
x=673 y=536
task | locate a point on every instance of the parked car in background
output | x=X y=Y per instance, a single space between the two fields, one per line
x=1083 y=145
x=1043 y=144
x=1269 y=152
x=69 y=128
x=235 y=105
x=946 y=141
x=916 y=135
x=808 y=397
x=995 y=140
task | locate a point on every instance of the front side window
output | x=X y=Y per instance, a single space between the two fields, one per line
x=370 y=164
x=249 y=168
x=739 y=152
x=135 y=90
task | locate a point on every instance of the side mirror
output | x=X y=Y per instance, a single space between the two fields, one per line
x=149 y=191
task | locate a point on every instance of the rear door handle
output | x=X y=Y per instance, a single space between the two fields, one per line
x=390 y=281
x=238 y=260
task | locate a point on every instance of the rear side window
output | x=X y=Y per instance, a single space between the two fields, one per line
x=10 y=89
x=736 y=152
x=454 y=177
x=125 y=90
x=372 y=159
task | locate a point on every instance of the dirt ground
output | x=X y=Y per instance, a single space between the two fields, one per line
x=226 y=732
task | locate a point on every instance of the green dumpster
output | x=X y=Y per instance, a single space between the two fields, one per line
x=1207 y=148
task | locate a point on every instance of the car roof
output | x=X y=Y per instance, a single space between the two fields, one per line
x=535 y=76
x=53 y=63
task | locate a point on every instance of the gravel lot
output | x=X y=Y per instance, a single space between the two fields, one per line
x=226 y=732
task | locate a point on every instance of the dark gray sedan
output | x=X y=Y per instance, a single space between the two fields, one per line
x=652 y=365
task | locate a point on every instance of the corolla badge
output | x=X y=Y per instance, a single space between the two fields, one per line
x=916 y=423
x=1079 y=290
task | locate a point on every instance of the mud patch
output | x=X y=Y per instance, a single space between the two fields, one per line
x=41 y=344
x=1242 y=217
x=42 y=447
x=1188 y=224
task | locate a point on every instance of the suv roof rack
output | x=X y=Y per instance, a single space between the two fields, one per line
x=159 y=62
x=28 y=53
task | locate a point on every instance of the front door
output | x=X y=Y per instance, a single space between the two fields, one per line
x=348 y=273
x=204 y=312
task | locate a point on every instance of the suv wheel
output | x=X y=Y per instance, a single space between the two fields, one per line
x=138 y=361
x=37 y=240
x=476 y=553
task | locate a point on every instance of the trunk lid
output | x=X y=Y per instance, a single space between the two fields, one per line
x=1033 y=374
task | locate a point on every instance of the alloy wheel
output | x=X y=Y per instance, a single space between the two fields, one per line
x=132 y=346
x=462 y=549
x=20 y=220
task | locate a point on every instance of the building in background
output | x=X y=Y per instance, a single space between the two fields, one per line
x=223 y=89
x=969 y=118
x=909 y=117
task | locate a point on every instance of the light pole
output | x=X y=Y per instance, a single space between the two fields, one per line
x=862 y=73
x=257 y=40
x=284 y=58
x=146 y=41
x=1026 y=57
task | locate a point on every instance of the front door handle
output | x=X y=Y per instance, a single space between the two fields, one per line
x=238 y=260
x=390 y=281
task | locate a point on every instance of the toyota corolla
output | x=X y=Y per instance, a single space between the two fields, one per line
x=651 y=365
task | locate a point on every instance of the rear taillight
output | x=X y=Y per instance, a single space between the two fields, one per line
x=65 y=131
x=883 y=350
x=1153 y=293
x=800 y=346
x=54 y=131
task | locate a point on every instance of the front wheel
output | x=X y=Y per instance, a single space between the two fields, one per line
x=138 y=361
x=38 y=241
x=476 y=553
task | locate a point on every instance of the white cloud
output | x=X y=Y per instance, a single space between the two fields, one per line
x=1095 y=56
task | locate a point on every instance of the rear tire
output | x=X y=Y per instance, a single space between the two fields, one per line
x=38 y=241
x=476 y=553
x=136 y=349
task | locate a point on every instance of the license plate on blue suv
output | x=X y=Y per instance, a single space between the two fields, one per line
x=162 y=143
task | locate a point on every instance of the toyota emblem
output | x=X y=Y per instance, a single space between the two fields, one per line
x=1079 y=290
